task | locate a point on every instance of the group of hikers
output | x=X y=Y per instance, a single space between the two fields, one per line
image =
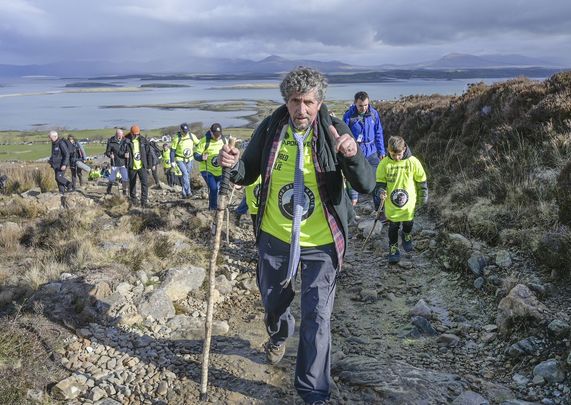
x=303 y=170
x=132 y=156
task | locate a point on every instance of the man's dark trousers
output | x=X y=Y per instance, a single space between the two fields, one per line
x=142 y=173
x=62 y=183
x=317 y=273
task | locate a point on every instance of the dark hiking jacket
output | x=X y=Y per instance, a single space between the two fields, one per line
x=147 y=157
x=60 y=154
x=334 y=166
x=113 y=150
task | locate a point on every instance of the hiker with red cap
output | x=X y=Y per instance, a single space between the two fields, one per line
x=206 y=152
x=137 y=152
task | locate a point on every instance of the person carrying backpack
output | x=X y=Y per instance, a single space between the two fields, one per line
x=365 y=124
x=181 y=154
x=76 y=159
x=207 y=154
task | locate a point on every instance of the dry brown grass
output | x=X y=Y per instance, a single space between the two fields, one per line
x=16 y=206
x=43 y=270
x=25 y=176
x=10 y=234
x=24 y=362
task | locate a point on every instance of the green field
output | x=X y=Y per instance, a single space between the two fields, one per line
x=38 y=151
x=29 y=146
x=12 y=137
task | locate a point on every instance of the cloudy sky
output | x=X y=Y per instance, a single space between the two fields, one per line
x=365 y=32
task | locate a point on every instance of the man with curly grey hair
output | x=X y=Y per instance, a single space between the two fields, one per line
x=302 y=219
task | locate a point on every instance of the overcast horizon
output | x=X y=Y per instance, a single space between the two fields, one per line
x=369 y=33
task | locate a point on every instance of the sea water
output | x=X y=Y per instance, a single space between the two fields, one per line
x=41 y=103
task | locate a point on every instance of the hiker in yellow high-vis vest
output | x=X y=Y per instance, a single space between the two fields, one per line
x=206 y=153
x=181 y=154
x=139 y=157
x=302 y=156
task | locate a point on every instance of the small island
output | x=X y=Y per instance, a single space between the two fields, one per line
x=163 y=85
x=248 y=86
x=90 y=85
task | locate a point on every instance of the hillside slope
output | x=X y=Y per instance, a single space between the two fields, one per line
x=499 y=161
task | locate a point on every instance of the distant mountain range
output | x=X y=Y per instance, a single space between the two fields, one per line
x=270 y=66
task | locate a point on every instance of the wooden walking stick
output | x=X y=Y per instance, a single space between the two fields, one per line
x=377 y=217
x=221 y=208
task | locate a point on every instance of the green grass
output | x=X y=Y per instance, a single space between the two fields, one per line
x=37 y=147
x=37 y=151
x=10 y=137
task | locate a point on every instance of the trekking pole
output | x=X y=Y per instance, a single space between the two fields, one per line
x=377 y=217
x=222 y=202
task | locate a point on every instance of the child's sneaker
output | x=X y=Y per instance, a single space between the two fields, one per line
x=394 y=254
x=406 y=241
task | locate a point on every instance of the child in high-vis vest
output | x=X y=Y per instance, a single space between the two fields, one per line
x=401 y=182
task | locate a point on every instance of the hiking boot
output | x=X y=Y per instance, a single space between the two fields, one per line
x=394 y=254
x=406 y=241
x=109 y=188
x=274 y=353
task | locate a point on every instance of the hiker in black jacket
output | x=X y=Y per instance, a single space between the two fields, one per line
x=113 y=152
x=59 y=161
x=139 y=158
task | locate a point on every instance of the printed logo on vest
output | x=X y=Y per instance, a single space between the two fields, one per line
x=215 y=161
x=186 y=152
x=137 y=156
x=285 y=202
x=399 y=197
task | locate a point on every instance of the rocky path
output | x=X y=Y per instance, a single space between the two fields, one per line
x=414 y=333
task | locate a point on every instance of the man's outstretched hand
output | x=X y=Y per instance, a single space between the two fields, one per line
x=345 y=144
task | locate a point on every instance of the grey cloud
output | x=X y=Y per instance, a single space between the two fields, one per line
x=139 y=30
